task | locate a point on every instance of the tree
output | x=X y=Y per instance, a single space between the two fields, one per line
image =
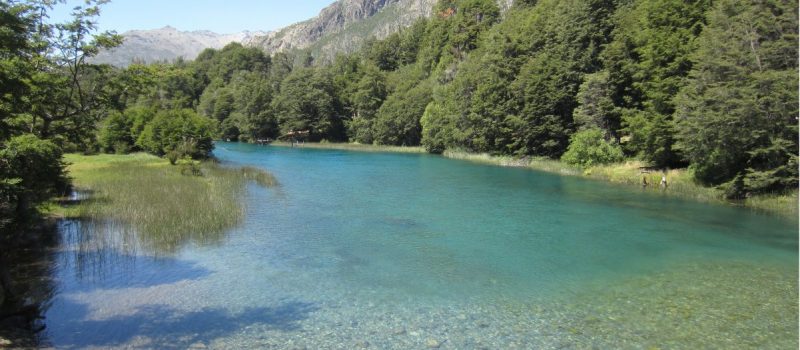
x=397 y=120
x=648 y=61
x=49 y=97
x=15 y=71
x=369 y=96
x=596 y=107
x=68 y=94
x=737 y=116
x=31 y=171
x=178 y=133
x=471 y=18
x=306 y=102
x=115 y=133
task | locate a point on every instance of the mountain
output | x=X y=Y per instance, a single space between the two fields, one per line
x=341 y=27
x=167 y=44
x=346 y=24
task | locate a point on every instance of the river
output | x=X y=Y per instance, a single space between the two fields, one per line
x=410 y=251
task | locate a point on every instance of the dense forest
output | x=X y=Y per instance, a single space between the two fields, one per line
x=708 y=85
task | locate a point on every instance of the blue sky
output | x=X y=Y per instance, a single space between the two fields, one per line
x=221 y=16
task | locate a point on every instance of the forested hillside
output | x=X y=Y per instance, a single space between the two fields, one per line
x=709 y=85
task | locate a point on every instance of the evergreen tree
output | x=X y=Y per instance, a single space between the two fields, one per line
x=648 y=61
x=737 y=117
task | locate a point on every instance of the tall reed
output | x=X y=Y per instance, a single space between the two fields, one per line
x=166 y=207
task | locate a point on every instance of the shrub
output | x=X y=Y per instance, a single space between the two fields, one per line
x=178 y=133
x=588 y=148
x=115 y=134
x=31 y=171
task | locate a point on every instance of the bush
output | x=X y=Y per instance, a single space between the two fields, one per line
x=31 y=171
x=115 y=134
x=178 y=133
x=588 y=148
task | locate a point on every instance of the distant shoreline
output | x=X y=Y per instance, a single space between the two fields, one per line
x=679 y=181
x=358 y=147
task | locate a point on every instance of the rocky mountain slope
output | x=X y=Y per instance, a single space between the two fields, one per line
x=341 y=27
x=346 y=24
x=167 y=44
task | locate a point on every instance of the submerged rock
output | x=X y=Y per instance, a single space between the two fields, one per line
x=433 y=343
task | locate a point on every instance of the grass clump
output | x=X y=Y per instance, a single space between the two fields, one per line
x=166 y=206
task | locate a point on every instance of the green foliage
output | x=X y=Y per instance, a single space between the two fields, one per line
x=233 y=58
x=31 y=171
x=648 y=61
x=178 y=133
x=737 y=116
x=397 y=122
x=385 y=53
x=50 y=99
x=306 y=102
x=439 y=126
x=14 y=71
x=516 y=93
x=115 y=134
x=588 y=148
x=370 y=94
x=471 y=18
x=652 y=136
x=595 y=105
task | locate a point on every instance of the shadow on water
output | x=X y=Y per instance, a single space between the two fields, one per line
x=74 y=256
x=27 y=273
x=167 y=327
x=108 y=257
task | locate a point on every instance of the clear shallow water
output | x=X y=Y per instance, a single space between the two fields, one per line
x=372 y=250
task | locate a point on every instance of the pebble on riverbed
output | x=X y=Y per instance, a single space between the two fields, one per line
x=433 y=343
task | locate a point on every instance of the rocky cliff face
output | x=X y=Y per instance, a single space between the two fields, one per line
x=166 y=44
x=346 y=24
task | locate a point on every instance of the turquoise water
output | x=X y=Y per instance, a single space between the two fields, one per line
x=376 y=250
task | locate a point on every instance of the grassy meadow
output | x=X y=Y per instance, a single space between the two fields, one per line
x=165 y=205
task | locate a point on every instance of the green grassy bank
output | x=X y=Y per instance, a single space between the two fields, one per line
x=680 y=181
x=166 y=205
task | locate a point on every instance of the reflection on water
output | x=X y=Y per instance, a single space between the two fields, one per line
x=107 y=255
x=413 y=251
x=28 y=269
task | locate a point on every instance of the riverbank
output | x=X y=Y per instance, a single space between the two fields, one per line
x=358 y=147
x=680 y=182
